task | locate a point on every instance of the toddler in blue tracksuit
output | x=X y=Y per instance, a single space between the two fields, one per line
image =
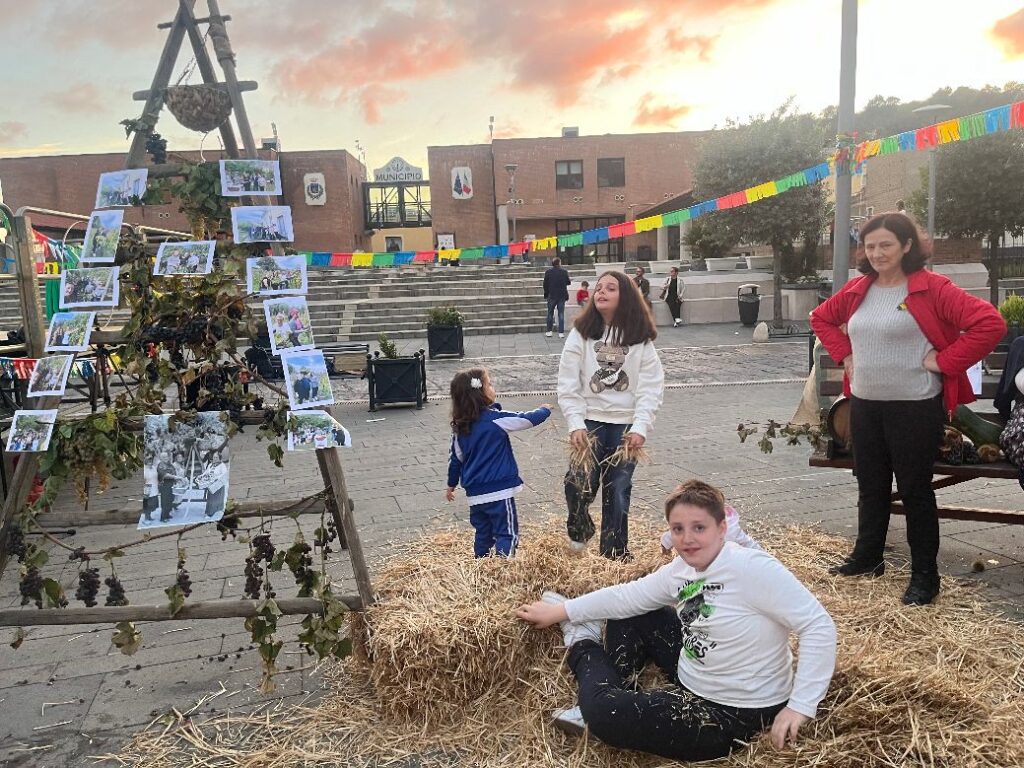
x=481 y=459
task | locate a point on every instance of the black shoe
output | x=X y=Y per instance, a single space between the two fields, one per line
x=923 y=588
x=855 y=567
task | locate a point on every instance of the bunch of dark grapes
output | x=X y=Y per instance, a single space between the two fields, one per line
x=182 y=580
x=228 y=525
x=88 y=586
x=323 y=536
x=194 y=330
x=116 y=594
x=16 y=542
x=31 y=587
x=156 y=334
x=262 y=549
x=303 y=572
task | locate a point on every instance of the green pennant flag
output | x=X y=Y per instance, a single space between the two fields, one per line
x=308 y=256
x=674 y=217
x=568 y=241
x=469 y=254
x=890 y=145
x=972 y=126
x=383 y=260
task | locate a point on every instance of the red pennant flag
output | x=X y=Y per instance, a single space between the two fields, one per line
x=341 y=259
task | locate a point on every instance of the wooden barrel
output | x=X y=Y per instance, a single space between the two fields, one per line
x=838 y=423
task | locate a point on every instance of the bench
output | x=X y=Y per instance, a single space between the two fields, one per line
x=944 y=475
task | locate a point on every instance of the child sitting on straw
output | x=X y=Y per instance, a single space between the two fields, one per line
x=610 y=384
x=734 y=532
x=481 y=458
x=717 y=620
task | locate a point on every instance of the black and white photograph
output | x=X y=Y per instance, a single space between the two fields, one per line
x=90 y=287
x=31 y=431
x=50 y=376
x=191 y=258
x=313 y=430
x=70 y=331
x=121 y=188
x=102 y=236
x=250 y=177
x=186 y=465
x=305 y=374
x=289 y=324
x=276 y=275
x=262 y=224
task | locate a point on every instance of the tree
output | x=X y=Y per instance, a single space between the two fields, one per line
x=979 y=192
x=708 y=243
x=767 y=148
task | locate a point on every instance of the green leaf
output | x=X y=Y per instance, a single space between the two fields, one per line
x=36 y=557
x=54 y=593
x=127 y=638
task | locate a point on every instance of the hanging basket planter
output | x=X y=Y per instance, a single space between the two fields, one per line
x=198 y=107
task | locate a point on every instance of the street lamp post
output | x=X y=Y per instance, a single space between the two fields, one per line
x=844 y=127
x=932 y=153
x=511 y=168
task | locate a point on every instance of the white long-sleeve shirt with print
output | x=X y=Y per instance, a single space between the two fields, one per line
x=602 y=381
x=737 y=616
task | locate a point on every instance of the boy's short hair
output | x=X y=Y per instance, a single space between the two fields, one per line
x=585 y=283
x=697 y=493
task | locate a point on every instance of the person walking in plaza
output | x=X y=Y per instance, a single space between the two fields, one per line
x=481 y=459
x=556 y=291
x=672 y=294
x=905 y=337
x=717 y=621
x=610 y=386
x=643 y=284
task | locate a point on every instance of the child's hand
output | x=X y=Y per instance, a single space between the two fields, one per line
x=634 y=440
x=579 y=439
x=541 y=614
x=450 y=494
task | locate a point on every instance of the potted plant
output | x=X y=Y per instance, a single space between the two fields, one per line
x=395 y=379
x=1012 y=310
x=444 y=332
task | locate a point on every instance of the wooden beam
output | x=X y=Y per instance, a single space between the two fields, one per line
x=204 y=20
x=244 y=85
x=28 y=287
x=131 y=514
x=978 y=515
x=334 y=480
x=206 y=609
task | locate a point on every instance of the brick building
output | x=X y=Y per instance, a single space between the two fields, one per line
x=542 y=187
x=68 y=183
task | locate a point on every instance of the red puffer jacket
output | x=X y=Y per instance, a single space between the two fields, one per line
x=961 y=327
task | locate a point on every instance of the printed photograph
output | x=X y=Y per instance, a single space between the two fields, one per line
x=262 y=224
x=185 y=468
x=248 y=177
x=313 y=430
x=90 y=287
x=289 y=324
x=192 y=258
x=276 y=276
x=70 y=331
x=121 y=188
x=50 y=376
x=30 y=431
x=305 y=374
x=102 y=236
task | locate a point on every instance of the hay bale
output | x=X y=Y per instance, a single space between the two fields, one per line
x=446 y=676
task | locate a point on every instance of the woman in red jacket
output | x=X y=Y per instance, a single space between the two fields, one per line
x=905 y=337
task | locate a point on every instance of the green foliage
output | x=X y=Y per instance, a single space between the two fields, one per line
x=127 y=638
x=387 y=347
x=200 y=199
x=444 y=317
x=1012 y=310
x=814 y=434
x=709 y=242
x=887 y=115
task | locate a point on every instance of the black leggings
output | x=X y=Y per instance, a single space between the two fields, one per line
x=672 y=722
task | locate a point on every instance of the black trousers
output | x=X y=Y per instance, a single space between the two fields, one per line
x=674 y=305
x=901 y=438
x=672 y=722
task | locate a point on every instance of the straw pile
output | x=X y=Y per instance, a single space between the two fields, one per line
x=455 y=680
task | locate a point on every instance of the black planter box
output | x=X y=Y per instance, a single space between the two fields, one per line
x=446 y=341
x=402 y=380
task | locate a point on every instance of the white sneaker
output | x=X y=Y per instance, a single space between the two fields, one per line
x=569 y=720
x=572 y=631
x=548 y=334
x=675 y=323
x=561 y=335
x=577 y=547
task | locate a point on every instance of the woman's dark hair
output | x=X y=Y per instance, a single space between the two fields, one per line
x=632 y=323
x=906 y=231
x=468 y=401
x=697 y=493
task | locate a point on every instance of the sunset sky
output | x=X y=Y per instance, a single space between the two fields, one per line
x=400 y=75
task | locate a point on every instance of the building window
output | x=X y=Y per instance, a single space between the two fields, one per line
x=393 y=244
x=611 y=172
x=569 y=174
x=607 y=251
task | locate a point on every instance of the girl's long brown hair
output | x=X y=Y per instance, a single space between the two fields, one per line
x=468 y=402
x=632 y=323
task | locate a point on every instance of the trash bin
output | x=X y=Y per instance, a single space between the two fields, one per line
x=749 y=303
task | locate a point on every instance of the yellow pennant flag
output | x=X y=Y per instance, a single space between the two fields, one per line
x=362 y=259
x=949 y=131
x=448 y=254
x=649 y=223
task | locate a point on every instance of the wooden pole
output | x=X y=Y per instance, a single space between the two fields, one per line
x=226 y=57
x=28 y=288
x=207 y=609
x=330 y=467
x=161 y=79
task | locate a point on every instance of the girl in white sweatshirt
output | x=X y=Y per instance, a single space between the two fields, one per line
x=610 y=385
x=717 y=621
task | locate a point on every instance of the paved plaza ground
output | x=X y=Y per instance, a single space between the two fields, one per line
x=67 y=693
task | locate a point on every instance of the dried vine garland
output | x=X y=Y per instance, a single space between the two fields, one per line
x=183 y=334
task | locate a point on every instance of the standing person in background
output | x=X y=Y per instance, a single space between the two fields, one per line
x=643 y=284
x=556 y=291
x=672 y=294
x=905 y=337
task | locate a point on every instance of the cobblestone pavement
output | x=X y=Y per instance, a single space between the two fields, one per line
x=67 y=693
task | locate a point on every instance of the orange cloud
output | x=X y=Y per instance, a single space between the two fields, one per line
x=702 y=44
x=654 y=115
x=1009 y=33
x=11 y=131
x=80 y=98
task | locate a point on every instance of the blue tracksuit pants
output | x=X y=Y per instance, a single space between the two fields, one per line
x=497 y=526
